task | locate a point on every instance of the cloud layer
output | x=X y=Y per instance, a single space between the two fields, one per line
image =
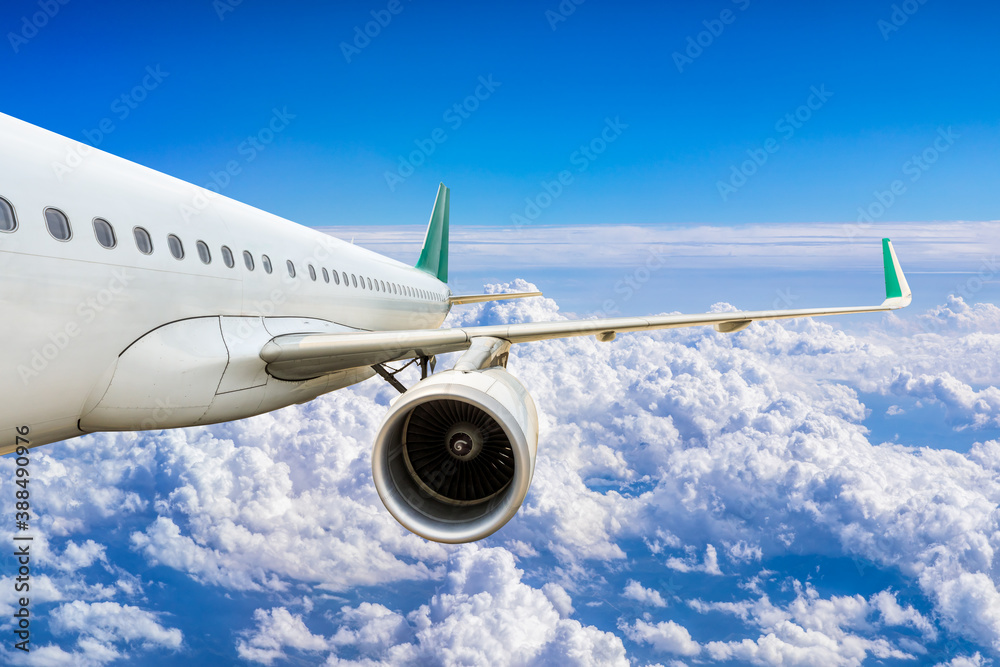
x=679 y=474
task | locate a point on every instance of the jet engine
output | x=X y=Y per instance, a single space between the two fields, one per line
x=454 y=456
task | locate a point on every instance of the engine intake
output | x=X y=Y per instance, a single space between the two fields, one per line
x=454 y=456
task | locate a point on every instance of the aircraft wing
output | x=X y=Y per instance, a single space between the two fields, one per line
x=482 y=298
x=304 y=356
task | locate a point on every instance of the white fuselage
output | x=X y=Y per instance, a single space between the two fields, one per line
x=75 y=356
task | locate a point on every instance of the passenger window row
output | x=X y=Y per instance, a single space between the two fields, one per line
x=59 y=228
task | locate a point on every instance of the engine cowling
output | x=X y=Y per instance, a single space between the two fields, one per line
x=454 y=456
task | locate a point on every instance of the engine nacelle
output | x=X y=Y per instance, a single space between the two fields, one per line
x=454 y=456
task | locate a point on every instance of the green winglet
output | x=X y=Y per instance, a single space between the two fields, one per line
x=892 y=288
x=434 y=256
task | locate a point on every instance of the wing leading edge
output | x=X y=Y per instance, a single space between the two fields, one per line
x=304 y=356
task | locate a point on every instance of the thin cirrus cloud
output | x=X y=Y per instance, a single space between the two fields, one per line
x=944 y=246
x=689 y=456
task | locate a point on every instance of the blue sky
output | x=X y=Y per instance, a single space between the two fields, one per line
x=686 y=129
x=820 y=491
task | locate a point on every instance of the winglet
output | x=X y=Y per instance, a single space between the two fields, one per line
x=897 y=292
x=434 y=256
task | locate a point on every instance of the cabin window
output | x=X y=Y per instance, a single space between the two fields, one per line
x=143 y=241
x=376 y=285
x=203 y=252
x=345 y=278
x=354 y=279
x=291 y=268
x=361 y=279
x=394 y=288
x=266 y=262
x=176 y=247
x=248 y=260
x=227 y=257
x=312 y=272
x=326 y=275
x=8 y=222
x=369 y=283
x=58 y=224
x=336 y=277
x=105 y=233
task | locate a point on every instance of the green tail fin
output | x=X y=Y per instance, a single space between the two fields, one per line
x=434 y=256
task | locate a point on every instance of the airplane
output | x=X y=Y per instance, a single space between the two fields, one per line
x=134 y=301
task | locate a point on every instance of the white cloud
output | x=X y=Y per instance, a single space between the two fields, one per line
x=485 y=615
x=277 y=629
x=559 y=598
x=966 y=406
x=708 y=565
x=104 y=632
x=929 y=246
x=666 y=637
x=956 y=314
x=371 y=628
x=810 y=630
x=893 y=614
x=111 y=622
x=636 y=591
x=282 y=497
x=77 y=556
x=744 y=552
x=974 y=660
x=753 y=437
x=685 y=441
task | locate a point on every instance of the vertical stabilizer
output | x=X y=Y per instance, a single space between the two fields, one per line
x=434 y=256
